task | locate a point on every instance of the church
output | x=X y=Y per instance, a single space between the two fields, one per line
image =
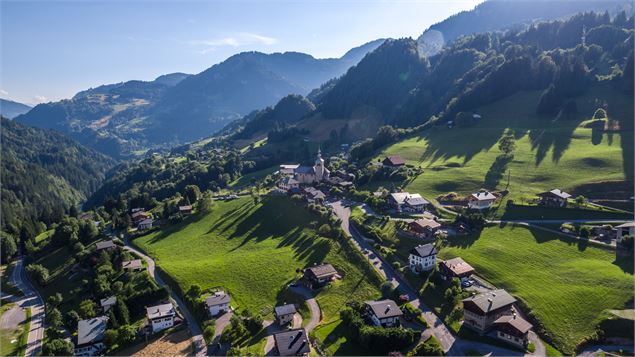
x=312 y=174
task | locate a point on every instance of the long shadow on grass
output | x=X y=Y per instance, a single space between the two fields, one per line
x=164 y=233
x=454 y=144
x=625 y=263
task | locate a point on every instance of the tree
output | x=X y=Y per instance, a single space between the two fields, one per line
x=72 y=318
x=123 y=315
x=387 y=289
x=58 y=347
x=126 y=334
x=110 y=337
x=87 y=231
x=87 y=309
x=507 y=144
x=580 y=200
x=8 y=247
x=38 y=273
x=55 y=299
x=208 y=333
x=192 y=193
x=194 y=292
x=205 y=204
x=54 y=318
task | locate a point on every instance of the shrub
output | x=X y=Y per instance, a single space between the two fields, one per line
x=531 y=347
x=208 y=333
x=430 y=347
x=58 y=347
x=38 y=273
x=585 y=232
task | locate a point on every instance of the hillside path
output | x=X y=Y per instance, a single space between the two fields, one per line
x=30 y=299
x=200 y=348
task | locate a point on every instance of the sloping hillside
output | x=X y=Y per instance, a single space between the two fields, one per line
x=43 y=174
x=10 y=109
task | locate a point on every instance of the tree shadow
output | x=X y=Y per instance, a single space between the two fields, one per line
x=454 y=143
x=496 y=171
x=625 y=263
x=552 y=138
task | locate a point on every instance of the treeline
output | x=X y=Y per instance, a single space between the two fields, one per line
x=44 y=176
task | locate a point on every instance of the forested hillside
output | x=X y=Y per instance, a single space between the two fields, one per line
x=10 y=109
x=43 y=174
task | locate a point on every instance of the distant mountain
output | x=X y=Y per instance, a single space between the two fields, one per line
x=43 y=173
x=495 y=15
x=10 y=109
x=125 y=118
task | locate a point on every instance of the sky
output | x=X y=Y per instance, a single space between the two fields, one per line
x=51 y=50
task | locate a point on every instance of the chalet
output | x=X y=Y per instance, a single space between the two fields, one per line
x=513 y=329
x=86 y=216
x=481 y=200
x=422 y=258
x=455 y=268
x=145 y=224
x=284 y=313
x=161 y=317
x=393 y=161
x=90 y=336
x=132 y=265
x=319 y=275
x=185 y=210
x=314 y=195
x=105 y=245
x=107 y=303
x=217 y=303
x=481 y=311
x=384 y=313
x=139 y=216
x=626 y=229
x=406 y=202
x=292 y=343
x=137 y=209
x=341 y=182
x=424 y=228
x=288 y=170
x=289 y=183
x=554 y=197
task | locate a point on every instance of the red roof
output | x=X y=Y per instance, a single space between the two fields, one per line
x=394 y=160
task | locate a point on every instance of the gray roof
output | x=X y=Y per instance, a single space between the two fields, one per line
x=217 y=299
x=91 y=330
x=322 y=270
x=415 y=200
x=491 y=300
x=290 y=181
x=484 y=195
x=132 y=264
x=287 y=309
x=515 y=321
x=105 y=244
x=292 y=342
x=424 y=250
x=155 y=312
x=108 y=301
x=424 y=222
x=555 y=192
x=384 y=308
x=305 y=170
x=626 y=225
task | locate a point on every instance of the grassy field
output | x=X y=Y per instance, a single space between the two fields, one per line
x=256 y=175
x=549 y=154
x=253 y=250
x=564 y=282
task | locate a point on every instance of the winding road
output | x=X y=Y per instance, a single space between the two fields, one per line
x=32 y=300
x=200 y=347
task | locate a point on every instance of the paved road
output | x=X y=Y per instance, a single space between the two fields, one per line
x=316 y=313
x=200 y=348
x=599 y=349
x=32 y=300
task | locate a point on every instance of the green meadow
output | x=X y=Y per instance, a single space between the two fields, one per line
x=550 y=152
x=253 y=250
x=566 y=283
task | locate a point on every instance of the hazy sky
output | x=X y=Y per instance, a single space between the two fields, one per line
x=51 y=50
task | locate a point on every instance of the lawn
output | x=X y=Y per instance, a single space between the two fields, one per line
x=565 y=283
x=253 y=250
x=549 y=153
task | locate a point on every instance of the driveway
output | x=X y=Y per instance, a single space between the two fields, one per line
x=32 y=300
x=198 y=341
x=314 y=308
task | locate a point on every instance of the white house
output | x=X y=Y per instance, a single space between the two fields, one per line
x=481 y=200
x=90 y=336
x=385 y=313
x=284 y=313
x=161 y=317
x=312 y=174
x=407 y=202
x=107 y=303
x=145 y=224
x=422 y=258
x=217 y=303
x=626 y=229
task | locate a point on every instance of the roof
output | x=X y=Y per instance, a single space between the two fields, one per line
x=290 y=181
x=292 y=342
x=139 y=214
x=108 y=301
x=483 y=196
x=91 y=330
x=424 y=222
x=384 y=308
x=490 y=301
x=555 y=192
x=415 y=199
x=155 y=312
x=458 y=266
x=321 y=271
x=395 y=160
x=218 y=298
x=147 y=221
x=105 y=244
x=305 y=170
x=132 y=264
x=287 y=309
x=185 y=208
x=399 y=197
x=289 y=166
x=424 y=250
x=626 y=225
x=514 y=321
